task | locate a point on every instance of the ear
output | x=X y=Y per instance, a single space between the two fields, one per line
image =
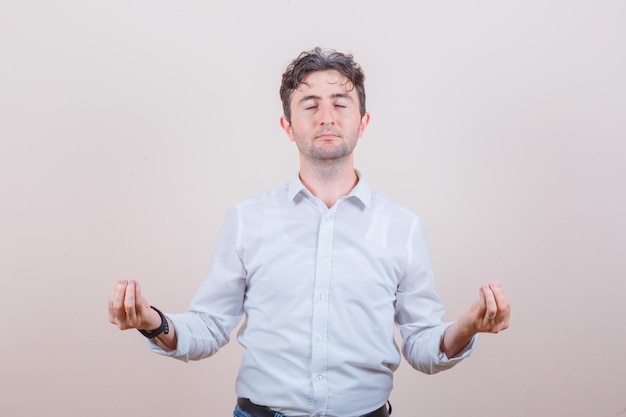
x=284 y=123
x=364 y=122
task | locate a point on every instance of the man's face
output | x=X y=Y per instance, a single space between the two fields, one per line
x=325 y=119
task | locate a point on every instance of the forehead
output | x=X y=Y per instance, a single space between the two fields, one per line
x=329 y=80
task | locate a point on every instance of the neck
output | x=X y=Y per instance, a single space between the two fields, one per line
x=328 y=182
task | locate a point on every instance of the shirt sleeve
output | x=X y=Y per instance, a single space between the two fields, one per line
x=420 y=311
x=217 y=306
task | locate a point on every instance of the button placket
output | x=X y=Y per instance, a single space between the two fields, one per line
x=320 y=310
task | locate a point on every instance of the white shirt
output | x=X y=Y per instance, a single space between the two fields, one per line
x=321 y=289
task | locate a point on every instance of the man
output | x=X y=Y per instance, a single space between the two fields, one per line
x=322 y=268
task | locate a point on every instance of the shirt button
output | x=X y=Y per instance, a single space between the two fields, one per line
x=319 y=337
x=322 y=297
x=319 y=377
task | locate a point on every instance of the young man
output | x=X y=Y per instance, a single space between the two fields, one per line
x=323 y=268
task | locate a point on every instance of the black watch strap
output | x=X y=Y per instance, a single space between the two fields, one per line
x=163 y=328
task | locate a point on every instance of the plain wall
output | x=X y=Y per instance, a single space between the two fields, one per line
x=128 y=128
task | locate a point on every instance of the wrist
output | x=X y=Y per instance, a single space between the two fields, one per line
x=465 y=326
x=163 y=326
x=152 y=320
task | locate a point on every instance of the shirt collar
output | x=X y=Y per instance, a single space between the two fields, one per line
x=361 y=191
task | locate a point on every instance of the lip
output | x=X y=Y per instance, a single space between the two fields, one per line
x=327 y=136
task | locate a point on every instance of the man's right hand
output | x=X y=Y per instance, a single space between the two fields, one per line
x=128 y=309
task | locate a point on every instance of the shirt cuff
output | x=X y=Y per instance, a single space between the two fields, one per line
x=183 y=339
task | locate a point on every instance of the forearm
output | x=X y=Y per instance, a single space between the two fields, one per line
x=454 y=340
x=167 y=341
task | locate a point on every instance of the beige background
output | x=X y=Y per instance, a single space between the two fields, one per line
x=127 y=128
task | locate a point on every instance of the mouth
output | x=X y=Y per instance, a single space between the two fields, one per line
x=327 y=135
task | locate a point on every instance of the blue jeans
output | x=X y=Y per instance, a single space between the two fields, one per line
x=241 y=413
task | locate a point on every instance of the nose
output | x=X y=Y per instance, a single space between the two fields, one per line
x=327 y=117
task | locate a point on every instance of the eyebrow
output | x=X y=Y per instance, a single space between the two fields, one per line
x=314 y=97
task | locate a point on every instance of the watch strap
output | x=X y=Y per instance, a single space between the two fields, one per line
x=163 y=328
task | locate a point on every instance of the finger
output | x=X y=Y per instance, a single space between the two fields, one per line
x=141 y=305
x=481 y=304
x=503 y=305
x=117 y=301
x=499 y=294
x=491 y=307
x=129 y=302
x=138 y=298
